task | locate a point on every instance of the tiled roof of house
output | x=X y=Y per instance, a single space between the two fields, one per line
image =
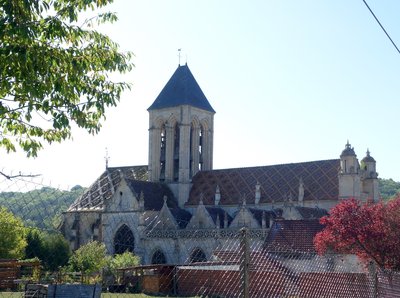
x=181 y=89
x=292 y=235
x=104 y=187
x=259 y=260
x=334 y=284
x=277 y=183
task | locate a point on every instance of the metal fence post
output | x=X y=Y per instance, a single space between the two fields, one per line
x=245 y=261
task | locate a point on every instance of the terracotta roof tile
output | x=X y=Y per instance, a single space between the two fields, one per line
x=320 y=179
x=334 y=284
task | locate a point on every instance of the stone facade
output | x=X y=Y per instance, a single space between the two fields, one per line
x=181 y=210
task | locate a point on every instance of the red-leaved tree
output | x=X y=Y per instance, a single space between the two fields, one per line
x=370 y=231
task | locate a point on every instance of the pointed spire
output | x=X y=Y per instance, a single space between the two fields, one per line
x=106 y=158
x=165 y=198
x=301 y=190
x=264 y=220
x=141 y=201
x=201 y=199
x=258 y=193
x=217 y=197
x=243 y=200
x=182 y=89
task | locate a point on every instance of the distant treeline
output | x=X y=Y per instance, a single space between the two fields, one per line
x=42 y=208
x=388 y=188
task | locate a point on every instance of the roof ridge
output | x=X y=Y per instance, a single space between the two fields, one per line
x=272 y=165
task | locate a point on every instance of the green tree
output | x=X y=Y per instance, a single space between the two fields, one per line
x=12 y=235
x=51 y=249
x=89 y=258
x=41 y=208
x=54 y=72
x=388 y=188
x=124 y=260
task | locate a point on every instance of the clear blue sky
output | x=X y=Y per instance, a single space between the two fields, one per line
x=291 y=81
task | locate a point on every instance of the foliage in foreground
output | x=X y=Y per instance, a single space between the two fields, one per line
x=12 y=235
x=92 y=258
x=124 y=260
x=54 y=71
x=370 y=231
x=89 y=258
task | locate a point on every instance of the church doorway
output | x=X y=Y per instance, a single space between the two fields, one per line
x=158 y=257
x=124 y=240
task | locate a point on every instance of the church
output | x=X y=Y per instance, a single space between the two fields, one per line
x=178 y=209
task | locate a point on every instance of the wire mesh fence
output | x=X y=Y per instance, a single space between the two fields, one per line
x=53 y=245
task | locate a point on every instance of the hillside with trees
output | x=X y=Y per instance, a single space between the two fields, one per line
x=40 y=208
x=388 y=188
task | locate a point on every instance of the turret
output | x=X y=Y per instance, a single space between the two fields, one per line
x=369 y=178
x=349 y=176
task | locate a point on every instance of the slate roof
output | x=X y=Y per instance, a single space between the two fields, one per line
x=104 y=187
x=278 y=182
x=311 y=213
x=293 y=235
x=153 y=194
x=269 y=214
x=219 y=212
x=181 y=216
x=152 y=218
x=181 y=89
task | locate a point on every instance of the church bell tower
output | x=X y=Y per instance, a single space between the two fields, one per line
x=181 y=129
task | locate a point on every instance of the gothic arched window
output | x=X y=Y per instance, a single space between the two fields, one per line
x=197 y=256
x=158 y=257
x=124 y=240
x=201 y=149
x=176 y=152
x=163 y=145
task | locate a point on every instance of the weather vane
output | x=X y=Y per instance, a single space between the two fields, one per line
x=107 y=158
x=179 y=56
